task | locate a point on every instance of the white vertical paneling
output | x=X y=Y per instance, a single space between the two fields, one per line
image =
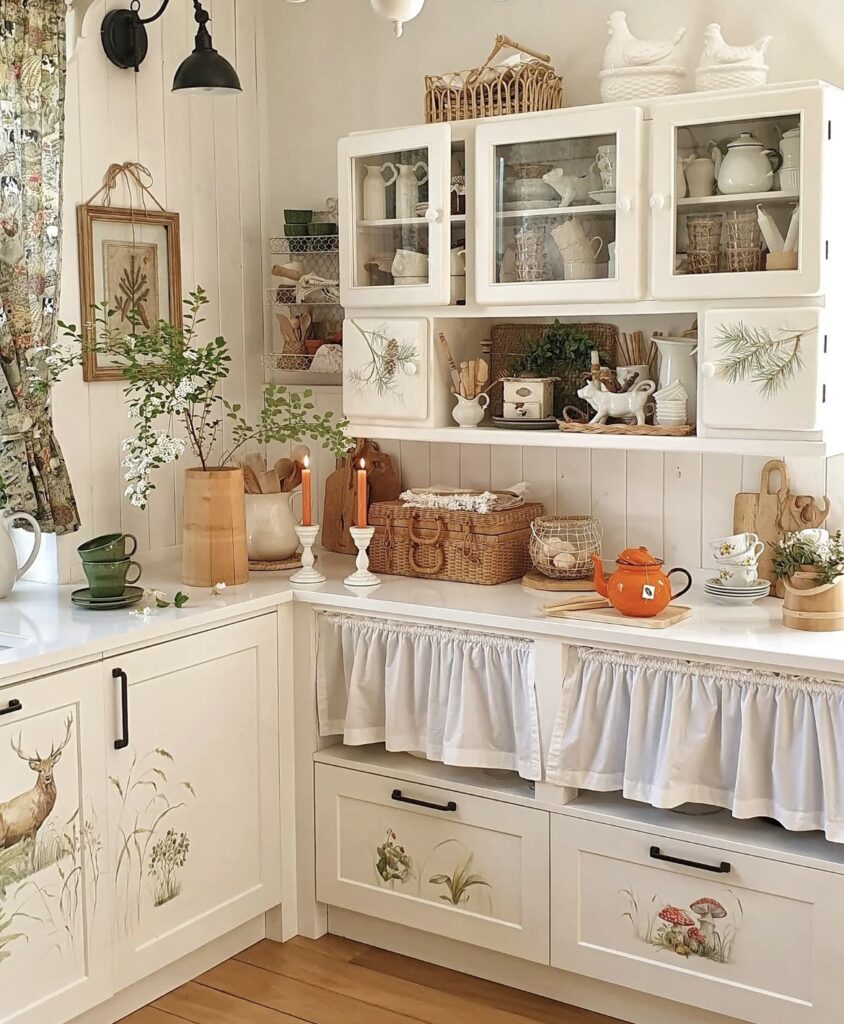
x=751 y=471
x=835 y=491
x=645 y=509
x=807 y=475
x=444 y=464
x=506 y=466
x=415 y=463
x=574 y=482
x=540 y=472
x=609 y=498
x=720 y=482
x=682 y=510
x=475 y=466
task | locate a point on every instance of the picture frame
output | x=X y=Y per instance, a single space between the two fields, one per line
x=129 y=259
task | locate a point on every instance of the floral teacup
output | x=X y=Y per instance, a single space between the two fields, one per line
x=735 y=545
x=749 y=557
x=738 y=575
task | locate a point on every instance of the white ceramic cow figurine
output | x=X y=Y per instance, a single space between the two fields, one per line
x=626 y=405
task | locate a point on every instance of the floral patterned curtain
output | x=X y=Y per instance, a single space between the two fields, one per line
x=32 y=84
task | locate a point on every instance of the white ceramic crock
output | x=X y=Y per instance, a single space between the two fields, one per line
x=10 y=571
x=270 y=527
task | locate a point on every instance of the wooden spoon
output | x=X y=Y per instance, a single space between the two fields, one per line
x=284 y=467
x=250 y=481
x=270 y=483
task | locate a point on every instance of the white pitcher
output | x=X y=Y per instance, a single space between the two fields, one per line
x=375 y=187
x=10 y=572
x=677 y=362
x=270 y=527
x=407 y=188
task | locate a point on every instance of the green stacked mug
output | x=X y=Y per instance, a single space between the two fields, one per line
x=107 y=563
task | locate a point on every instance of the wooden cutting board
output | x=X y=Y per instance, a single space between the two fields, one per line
x=670 y=616
x=383 y=484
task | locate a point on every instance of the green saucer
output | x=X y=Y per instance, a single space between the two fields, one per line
x=84 y=599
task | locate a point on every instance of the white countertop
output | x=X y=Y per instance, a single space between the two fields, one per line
x=61 y=635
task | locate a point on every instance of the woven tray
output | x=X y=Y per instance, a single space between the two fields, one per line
x=510 y=340
x=463 y=547
x=627 y=428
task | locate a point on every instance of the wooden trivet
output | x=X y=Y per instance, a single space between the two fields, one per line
x=294 y=562
x=536 y=580
x=687 y=430
x=670 y=616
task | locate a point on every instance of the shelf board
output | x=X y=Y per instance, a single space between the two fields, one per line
x=612 y=442
x=558 y=211
x=744 y=199
x=400 y=222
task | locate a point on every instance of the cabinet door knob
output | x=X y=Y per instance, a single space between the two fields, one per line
x=433 y=215
x=625 y=205
x=658 y=202
x=708 y=369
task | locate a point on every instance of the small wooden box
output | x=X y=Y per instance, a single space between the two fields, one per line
x=529 y=398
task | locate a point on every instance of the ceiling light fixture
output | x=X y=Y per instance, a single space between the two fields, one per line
x=125 y=42
x=396 y=11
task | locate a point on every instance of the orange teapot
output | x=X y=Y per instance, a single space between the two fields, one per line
x=638 y=587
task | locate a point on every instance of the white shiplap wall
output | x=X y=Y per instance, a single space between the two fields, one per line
x=206 y=155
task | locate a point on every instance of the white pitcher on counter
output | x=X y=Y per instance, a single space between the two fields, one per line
x=10 y=571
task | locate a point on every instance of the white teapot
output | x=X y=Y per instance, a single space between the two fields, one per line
x=10 y=572
x=747 y=167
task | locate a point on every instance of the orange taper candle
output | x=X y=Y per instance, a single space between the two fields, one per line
x=307 y=519
x=361 y=494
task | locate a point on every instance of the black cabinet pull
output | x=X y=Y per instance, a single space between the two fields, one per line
x=397 y=795
x=13 y=706
x=724 y=868
x=123 y=742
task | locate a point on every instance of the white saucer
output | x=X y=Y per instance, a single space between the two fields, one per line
x=604 y=196
x=716 y=584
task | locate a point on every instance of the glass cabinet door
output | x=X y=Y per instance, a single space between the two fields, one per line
x=736 y=200
x=395 y=189
x=558 y=207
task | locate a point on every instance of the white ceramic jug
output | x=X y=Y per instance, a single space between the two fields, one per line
x=700 y=173
x=375 y=190
x=407 y=188
x=469 y=412
x=10 y=572
x=270 y=527
x=677 y=362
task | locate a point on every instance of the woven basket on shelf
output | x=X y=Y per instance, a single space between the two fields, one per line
x=490 y=91
x=509 y=342
x=464 y=547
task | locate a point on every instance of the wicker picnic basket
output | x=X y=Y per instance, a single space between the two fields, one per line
x=510 y=340
x=463 y=547
x=490 y=91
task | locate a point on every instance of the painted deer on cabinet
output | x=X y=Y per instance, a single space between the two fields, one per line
x=23 y=815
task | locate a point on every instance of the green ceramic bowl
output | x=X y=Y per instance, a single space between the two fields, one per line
x=298 y=216
x=323 y=229
x=296 y=230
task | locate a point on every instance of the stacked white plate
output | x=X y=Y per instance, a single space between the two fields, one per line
x=672 y=405
x=723 y=594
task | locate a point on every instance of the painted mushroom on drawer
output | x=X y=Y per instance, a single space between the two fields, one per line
x=688 y=931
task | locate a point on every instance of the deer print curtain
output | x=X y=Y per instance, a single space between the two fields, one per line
x=32 y=82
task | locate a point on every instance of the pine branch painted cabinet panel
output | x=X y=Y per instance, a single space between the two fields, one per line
x=55 y=886
x=194 y=806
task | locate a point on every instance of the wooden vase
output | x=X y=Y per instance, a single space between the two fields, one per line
x=214 y=545
x=811 y=606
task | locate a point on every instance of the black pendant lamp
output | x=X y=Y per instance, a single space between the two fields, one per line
x=125 y=43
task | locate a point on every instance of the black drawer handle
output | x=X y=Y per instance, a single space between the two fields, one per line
x=397 y=795
x=724 y=868
x=11 y=707
x=123 y=742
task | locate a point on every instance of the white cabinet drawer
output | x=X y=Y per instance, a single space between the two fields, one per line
x=464 y=867
x=755 y=941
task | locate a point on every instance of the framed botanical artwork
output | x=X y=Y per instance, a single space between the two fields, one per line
x=131 y=261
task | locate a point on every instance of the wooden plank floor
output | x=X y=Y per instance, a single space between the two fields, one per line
x=338 y=981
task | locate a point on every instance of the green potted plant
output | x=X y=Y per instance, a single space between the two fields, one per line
x=810 y=565
x=563 y=351
x=172 y=384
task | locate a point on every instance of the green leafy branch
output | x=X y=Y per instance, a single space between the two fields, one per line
x=768 y=360
x=563 y=346
x=795 y=552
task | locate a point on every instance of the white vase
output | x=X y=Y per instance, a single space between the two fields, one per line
x=677 y=362
x=375 y=190
x=270 y=527
x=10 y=571
x=407 y=189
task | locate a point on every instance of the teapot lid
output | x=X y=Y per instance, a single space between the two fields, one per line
x=745 y=139
x=638 y=556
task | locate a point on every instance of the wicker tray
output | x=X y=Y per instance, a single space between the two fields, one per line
x=628 y=428
x=486 y=92
x=463 y=547
x=510 y=340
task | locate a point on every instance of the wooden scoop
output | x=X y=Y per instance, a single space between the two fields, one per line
x=269 y=481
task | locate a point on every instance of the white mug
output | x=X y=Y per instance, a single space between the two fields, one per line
x=748 y=557
x=408 y=263
x=458 y=262
x=733 y=545
x=579 y=270
x=738 y=575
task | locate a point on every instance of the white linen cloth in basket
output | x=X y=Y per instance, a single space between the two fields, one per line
x=667 y=732
x=458 y=697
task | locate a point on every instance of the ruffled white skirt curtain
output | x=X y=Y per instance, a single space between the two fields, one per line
x=462 y=698
x=669 y=732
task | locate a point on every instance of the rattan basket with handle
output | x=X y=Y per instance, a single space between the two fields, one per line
x=509 y=342
x=490 y=91
x=464 y=547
